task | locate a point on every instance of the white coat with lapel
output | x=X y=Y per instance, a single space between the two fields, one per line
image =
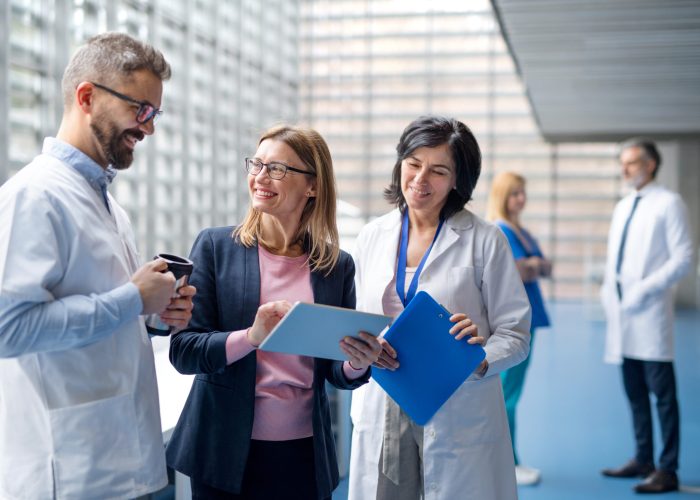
x=658 y=253
x=83 y=422
x=467 y=450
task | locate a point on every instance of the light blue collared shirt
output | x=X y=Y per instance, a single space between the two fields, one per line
x=32 y=319
x=98 y=177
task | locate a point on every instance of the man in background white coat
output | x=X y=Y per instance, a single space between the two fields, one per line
x=79 y=413
x=649 y=250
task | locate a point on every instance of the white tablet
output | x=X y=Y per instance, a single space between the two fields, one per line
x=316 y=330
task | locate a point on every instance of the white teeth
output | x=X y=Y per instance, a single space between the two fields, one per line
x=131 y=140
x=265 y=194
x=418 y=191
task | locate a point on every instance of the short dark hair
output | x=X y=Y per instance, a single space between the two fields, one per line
x=109 y=57
x=431 y=132
x=648 y=147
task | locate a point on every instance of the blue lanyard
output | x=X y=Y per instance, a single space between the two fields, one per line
x=401 y=269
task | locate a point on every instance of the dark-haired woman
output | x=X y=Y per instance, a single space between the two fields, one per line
x=464 y=451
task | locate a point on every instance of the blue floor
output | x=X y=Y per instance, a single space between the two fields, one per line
x=573 y=416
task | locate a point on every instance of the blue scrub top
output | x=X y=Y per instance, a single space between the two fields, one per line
x=539 y=314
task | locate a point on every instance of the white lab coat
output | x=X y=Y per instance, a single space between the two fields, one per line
x=81 y=423
x=467 y=450
x=658 y=253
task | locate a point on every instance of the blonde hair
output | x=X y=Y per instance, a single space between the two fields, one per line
x=317 y=232
x=501 y=188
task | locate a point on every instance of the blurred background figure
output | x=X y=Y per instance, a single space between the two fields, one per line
x=506 y=202
x=649 y=251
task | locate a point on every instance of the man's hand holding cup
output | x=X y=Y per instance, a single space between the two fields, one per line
x=175 y=313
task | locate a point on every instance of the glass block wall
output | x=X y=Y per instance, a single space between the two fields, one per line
x=370 y=67
x=235 y=72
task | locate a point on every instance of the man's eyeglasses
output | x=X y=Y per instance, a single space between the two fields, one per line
x=275 y=170
x=146 y=110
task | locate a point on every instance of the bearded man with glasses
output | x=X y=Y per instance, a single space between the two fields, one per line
x=78 y=395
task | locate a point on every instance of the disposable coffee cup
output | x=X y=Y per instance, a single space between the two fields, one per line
x=182 y=269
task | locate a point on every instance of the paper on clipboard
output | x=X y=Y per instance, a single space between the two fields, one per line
x=432 y=364
x=316 y=330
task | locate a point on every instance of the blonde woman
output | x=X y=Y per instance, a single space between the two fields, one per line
x=506 y=203
x=257 y=424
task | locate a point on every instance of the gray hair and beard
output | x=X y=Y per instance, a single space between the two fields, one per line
x=111 y=140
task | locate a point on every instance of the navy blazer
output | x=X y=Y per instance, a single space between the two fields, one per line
x=211 y=440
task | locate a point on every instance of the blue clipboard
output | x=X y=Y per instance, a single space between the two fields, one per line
x=316 y=330
x=432 y=363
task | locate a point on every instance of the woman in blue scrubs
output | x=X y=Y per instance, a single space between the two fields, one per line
x=506 y=203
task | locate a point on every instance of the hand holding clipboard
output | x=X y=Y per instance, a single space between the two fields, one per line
x=434 y=360
x=463 y=328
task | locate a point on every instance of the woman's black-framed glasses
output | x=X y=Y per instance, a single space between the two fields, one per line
x=275 y=170
x=146 y=111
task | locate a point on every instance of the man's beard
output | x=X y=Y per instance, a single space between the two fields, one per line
x=636 y=181
x=111 y=140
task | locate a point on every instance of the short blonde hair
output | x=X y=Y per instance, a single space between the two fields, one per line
x=318 y=232
x=501 y=188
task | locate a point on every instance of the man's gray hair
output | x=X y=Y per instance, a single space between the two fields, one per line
x=108 y=59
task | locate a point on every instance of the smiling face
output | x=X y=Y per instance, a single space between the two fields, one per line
x=427 y=176
x=284 y=198
x=516 y=201
x=114 y=124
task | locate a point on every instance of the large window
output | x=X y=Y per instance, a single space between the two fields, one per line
x=369 y=68
x=357 y=71
x=235 y=72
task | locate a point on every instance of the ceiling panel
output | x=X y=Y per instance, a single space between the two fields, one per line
x=607 y=69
